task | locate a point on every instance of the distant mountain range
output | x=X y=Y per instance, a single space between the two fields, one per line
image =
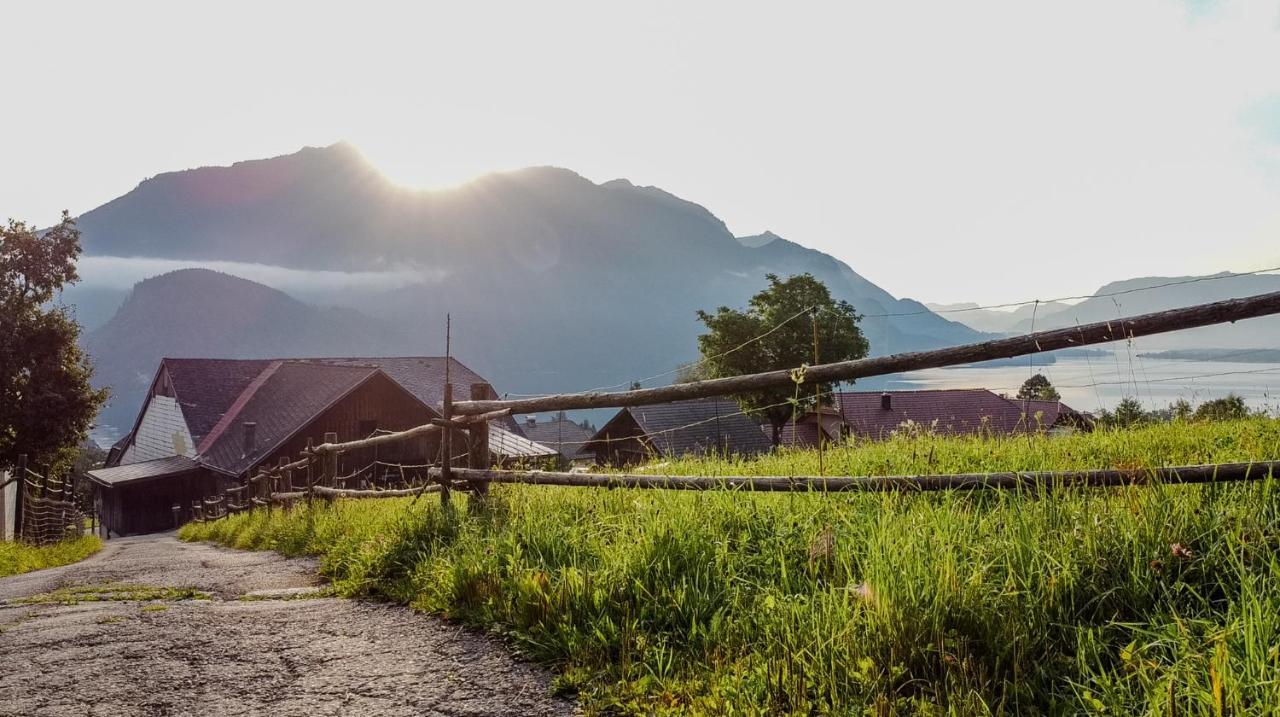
x=1140 y=296
x=553 y=282
x=996 y=321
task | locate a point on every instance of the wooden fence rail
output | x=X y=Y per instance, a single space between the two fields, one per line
x=276 y=484
x=1219 y=473
x=1101 y=332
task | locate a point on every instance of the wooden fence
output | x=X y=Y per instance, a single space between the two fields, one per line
x=46 y=511
x=314 y=474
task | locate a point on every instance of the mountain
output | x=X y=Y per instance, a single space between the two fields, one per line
x=1158 y=293
x=202 y=313
x=996 y=320
x=553 y=282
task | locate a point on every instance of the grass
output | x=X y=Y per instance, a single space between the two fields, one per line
x=112 y=592
x=16 y=557
x=1155 y=600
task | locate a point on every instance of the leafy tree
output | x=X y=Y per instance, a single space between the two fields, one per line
x=785 y=341
x=1223 y=409
x=1128 y=413
x=1180 y=410
x=1038 y=388
x=46 y=401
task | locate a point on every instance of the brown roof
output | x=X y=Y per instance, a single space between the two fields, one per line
x=423 y=376
x=206 y=388
x=287 y=400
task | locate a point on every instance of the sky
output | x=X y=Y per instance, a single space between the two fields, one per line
x=980 y=151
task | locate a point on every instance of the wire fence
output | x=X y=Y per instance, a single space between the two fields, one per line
x=319 y=472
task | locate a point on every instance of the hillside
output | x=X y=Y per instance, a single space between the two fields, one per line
x=1156 y=293
x=196 y=312
x=554 y=282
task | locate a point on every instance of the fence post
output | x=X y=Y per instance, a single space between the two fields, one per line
x=20 y=498
x=311 y=477
x=331 y=464
x=478 y=442
x=446 y=467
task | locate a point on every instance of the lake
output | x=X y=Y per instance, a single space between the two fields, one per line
x=1090 y=383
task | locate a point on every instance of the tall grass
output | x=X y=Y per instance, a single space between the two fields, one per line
x=1154 y=600
x=18 y=558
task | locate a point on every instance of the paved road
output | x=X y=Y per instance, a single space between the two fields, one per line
x=230 y=656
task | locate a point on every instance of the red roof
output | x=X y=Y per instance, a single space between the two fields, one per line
x=948 y=411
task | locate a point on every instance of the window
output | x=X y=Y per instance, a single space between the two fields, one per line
x=368 y=427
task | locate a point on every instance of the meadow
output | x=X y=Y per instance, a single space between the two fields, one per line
x=18 y=557
x=1144 y=600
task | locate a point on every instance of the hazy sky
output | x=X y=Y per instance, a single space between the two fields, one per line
x=988 y=151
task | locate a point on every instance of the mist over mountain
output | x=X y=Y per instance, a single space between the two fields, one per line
x=202 y=313
x=553 y=282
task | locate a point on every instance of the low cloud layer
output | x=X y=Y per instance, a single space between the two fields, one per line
x=116 y=272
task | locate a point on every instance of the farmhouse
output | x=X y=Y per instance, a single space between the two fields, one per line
x=670 y=430
x=877 y=415
x=206 y=424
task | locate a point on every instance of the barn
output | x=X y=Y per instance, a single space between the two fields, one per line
x=206 y=424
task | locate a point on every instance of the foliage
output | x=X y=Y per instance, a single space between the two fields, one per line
x=18 y=557
x=46 y=401
x=1230 y=408
x=1146 y=600
x=1038 y=388
x=1128 y=413
x=1180 y=410
x=788 y=344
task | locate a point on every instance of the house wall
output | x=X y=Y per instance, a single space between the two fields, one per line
x=147 y=507
x=621 y=443
x=384 y=402
x=161 y=433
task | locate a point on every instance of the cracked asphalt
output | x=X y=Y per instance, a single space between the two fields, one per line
x=227 y=656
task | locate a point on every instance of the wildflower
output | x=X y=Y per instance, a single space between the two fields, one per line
x=1180 y=551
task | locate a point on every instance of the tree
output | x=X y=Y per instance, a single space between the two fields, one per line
x=1230 y=408
x=46 y=402
x=776 y=332
x=1180 y=410
x=1128 y=413
x=1038 y=388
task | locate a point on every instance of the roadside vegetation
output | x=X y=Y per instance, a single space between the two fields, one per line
x=1147 y=600
x=16 y=557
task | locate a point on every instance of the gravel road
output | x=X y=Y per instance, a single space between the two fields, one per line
x=227 y=655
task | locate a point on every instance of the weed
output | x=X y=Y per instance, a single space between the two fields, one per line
x=16 y=557
x=1139 y=600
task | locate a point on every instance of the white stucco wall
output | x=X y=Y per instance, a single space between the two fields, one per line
x=162 y=433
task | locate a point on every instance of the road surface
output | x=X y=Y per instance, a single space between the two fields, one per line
x=70 y=646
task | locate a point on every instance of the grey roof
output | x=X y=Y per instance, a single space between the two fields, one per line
x=563 y=435
x=506 y=444
x=706 y=425
x=147 y=470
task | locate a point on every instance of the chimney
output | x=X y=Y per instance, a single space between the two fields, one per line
x=531 y=420
x=250 y=428
x=886 y=401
